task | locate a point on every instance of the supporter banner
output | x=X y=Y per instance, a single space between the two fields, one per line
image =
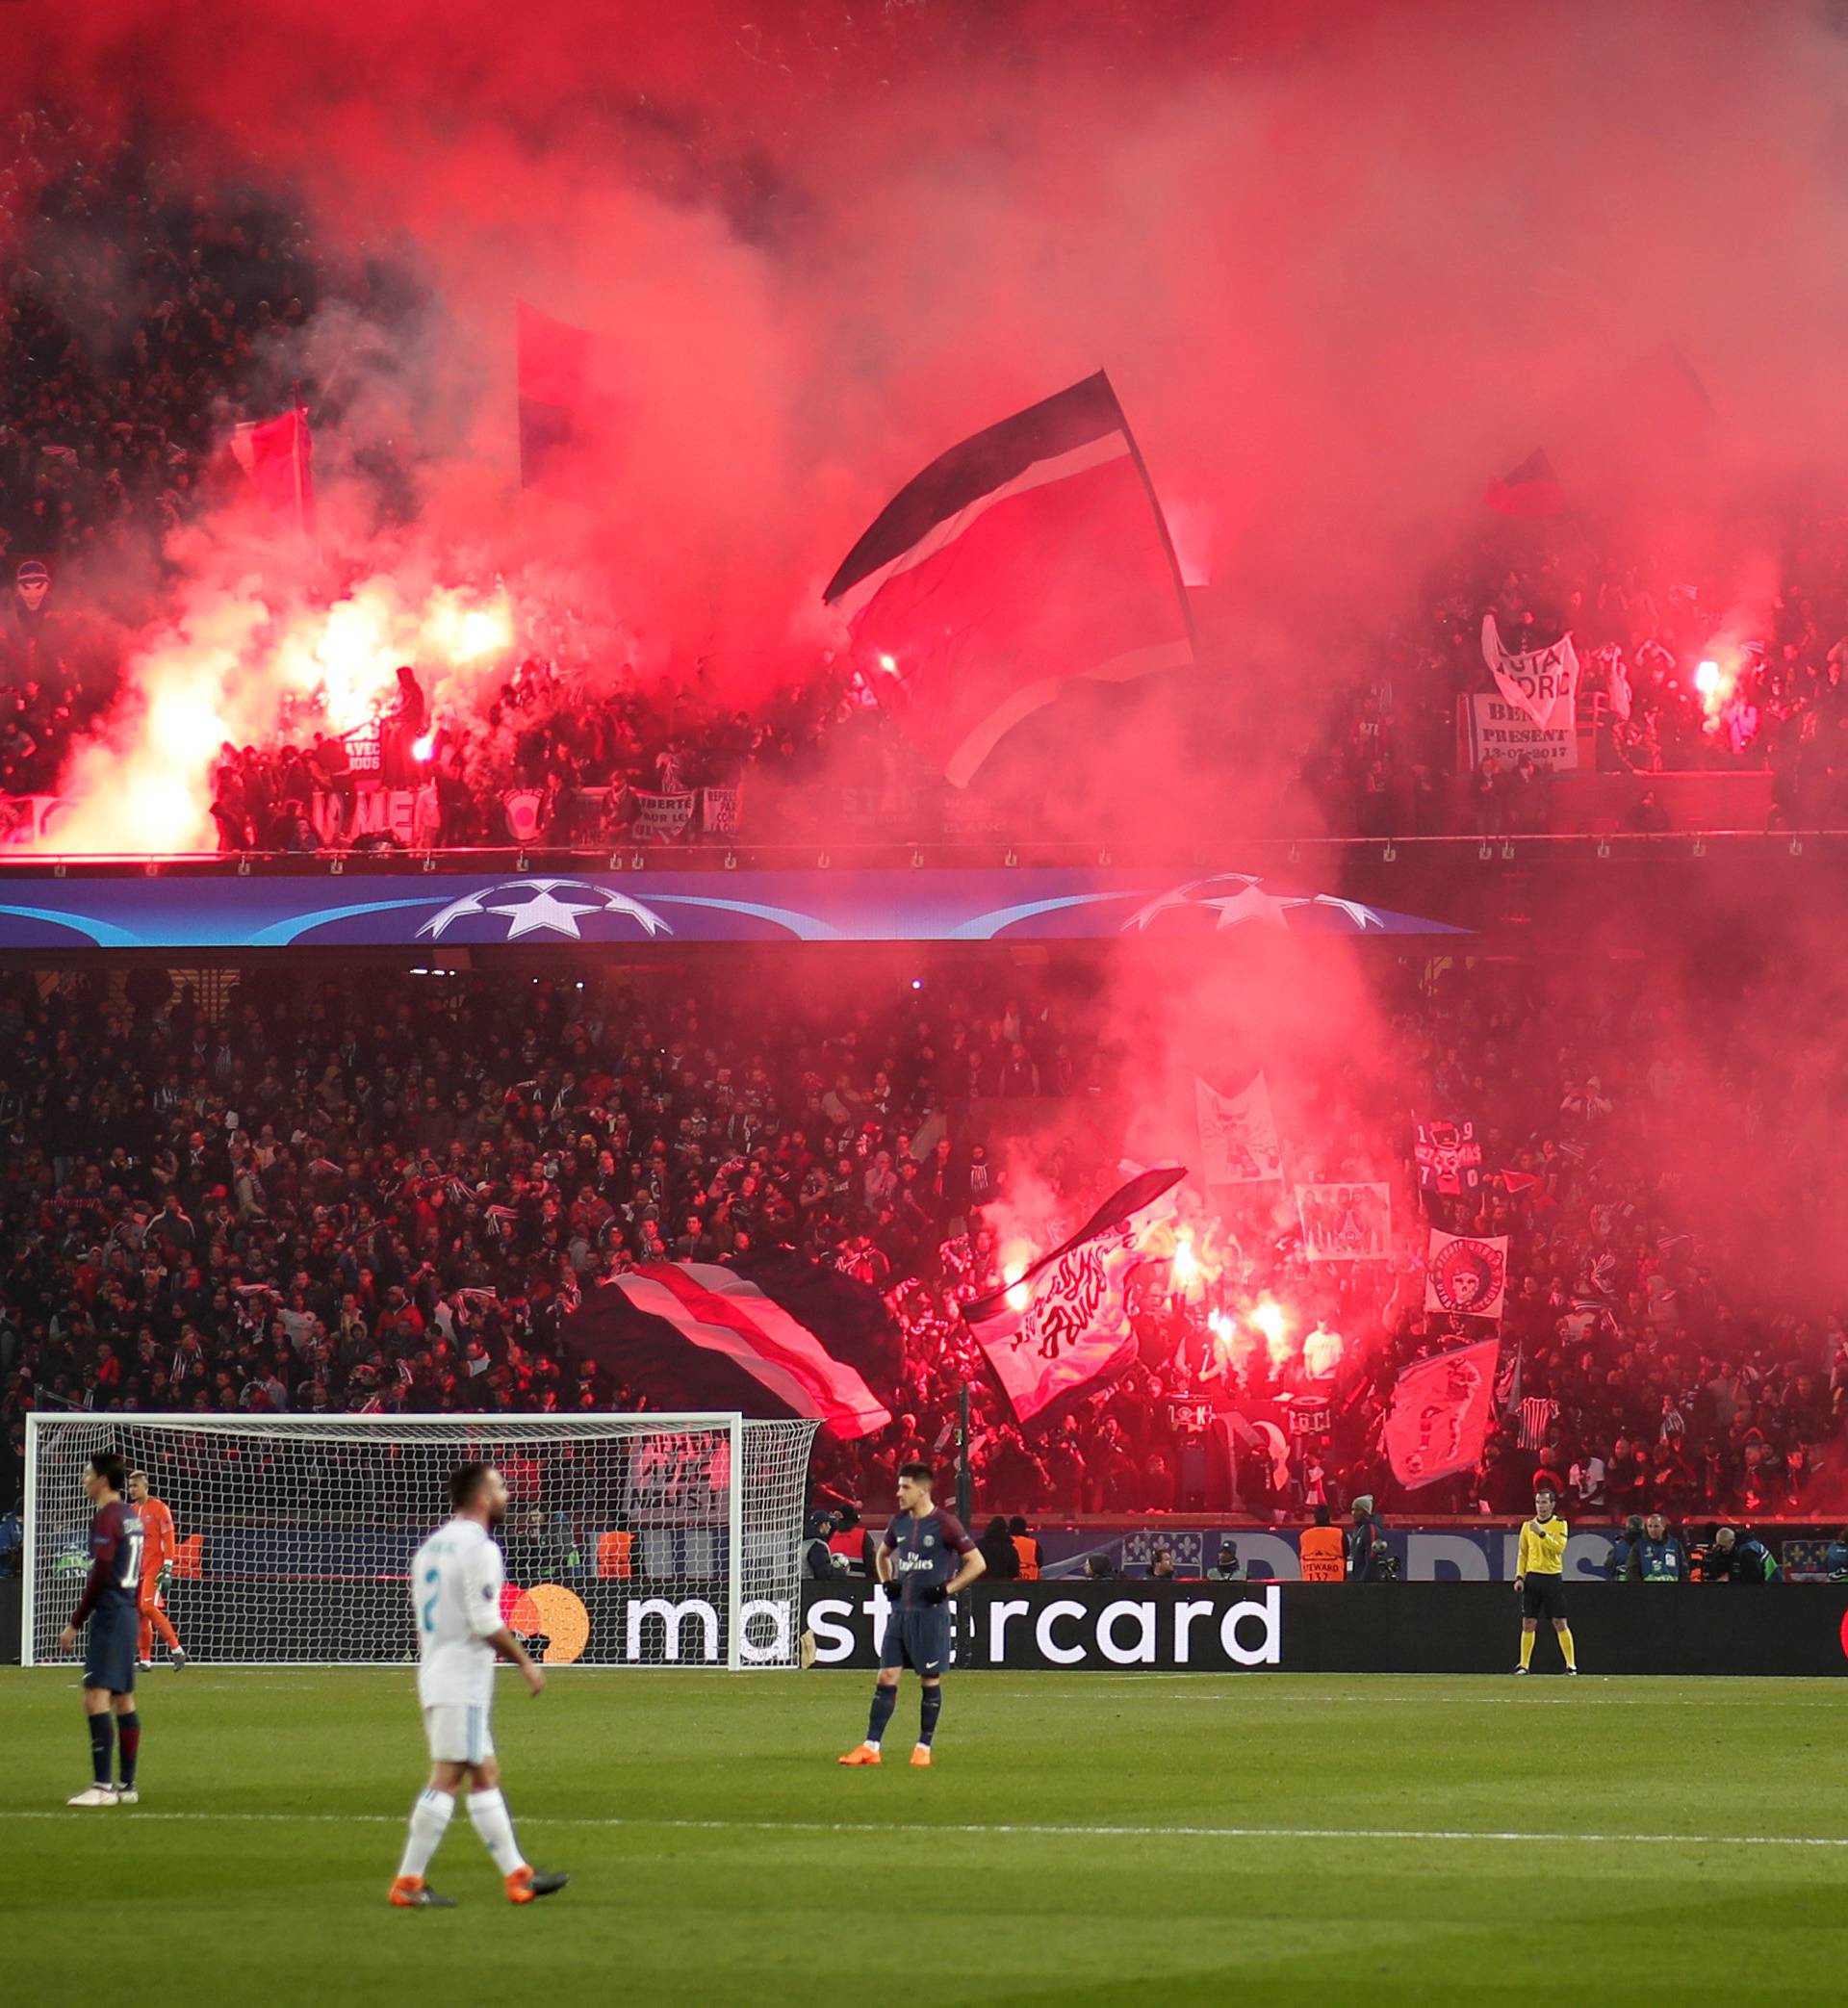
x=782 y=1342
x=1543 y=683
x=1448 y=1155
x=1439 y=1414
x=1346 y=1222
x=719 y=810
x=1237 y=1135
x=1114 y=1626
x=374 y=812
x=1493 y=728
x=1032 y=554
x=29 y=818
x=1466 y=1274
x=349 y=905
x=1063 y=1324
x=660 y=816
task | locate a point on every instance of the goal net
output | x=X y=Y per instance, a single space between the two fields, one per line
x=630 y=1541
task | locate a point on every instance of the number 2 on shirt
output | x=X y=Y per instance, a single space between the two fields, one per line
x=429 y=1603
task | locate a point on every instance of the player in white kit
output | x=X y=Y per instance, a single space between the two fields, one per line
x=455 y=1596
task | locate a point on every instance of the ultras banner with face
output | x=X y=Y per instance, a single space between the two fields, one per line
x=1112 y=1627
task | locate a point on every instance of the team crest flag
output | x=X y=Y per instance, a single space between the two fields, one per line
x=1032 y=554
x=1450 y=1159
x=1467 y=1274
x=1440 y=1413
x=1063 y=1324
x=1237 y=1135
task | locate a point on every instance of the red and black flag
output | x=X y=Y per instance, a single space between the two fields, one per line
x=1532 y=489
x=1030 y=554
x=790 y=1338
x=277 y=455
x=569 y=409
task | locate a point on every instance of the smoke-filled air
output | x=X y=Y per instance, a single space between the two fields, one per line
x=1342 y=266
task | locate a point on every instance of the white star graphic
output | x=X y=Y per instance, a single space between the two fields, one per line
x=545 y=914
x=1248 y=901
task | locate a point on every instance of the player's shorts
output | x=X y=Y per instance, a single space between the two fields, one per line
x=151 y=1598
x=459 y=1731
x=1543 y=1596
x=917 y=1636
x=111 y=1637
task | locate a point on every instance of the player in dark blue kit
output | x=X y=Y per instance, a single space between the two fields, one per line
x=926 y=1556
x=110 y=1605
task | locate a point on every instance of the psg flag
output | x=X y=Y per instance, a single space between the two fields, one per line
x=1032 y=554
x=779 y=1337
x=1062 y=1323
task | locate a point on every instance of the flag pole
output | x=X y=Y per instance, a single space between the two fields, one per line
x=1161 y=518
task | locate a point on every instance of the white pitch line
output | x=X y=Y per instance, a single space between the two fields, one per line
x=1012 y=1828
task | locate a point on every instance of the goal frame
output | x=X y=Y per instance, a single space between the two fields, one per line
x=41 y=1423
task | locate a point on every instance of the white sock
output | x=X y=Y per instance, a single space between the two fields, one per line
x=429 y=1822
x=490 y=1819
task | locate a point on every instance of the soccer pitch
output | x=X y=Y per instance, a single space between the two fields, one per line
x=1083 y=1838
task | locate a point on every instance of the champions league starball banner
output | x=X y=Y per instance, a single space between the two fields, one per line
x=559 y=908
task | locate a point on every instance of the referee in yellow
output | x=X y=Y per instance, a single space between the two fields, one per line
x=1539 y=1579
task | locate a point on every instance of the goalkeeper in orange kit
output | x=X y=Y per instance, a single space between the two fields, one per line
x=157 y=1565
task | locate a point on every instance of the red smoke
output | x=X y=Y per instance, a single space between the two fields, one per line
x=1342 y=266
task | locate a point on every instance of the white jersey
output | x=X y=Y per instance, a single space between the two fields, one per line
x=455 y=1598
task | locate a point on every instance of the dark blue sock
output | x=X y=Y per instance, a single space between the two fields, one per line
x=928 y=1710
x=885 y=1701
x=102 y=1744
x=131 y=1728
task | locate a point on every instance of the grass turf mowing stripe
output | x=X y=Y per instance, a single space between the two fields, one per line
x=1035 y=1831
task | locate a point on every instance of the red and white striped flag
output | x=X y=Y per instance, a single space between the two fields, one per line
x=788 y=1339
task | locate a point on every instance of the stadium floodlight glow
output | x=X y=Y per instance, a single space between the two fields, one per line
x=630 y=1541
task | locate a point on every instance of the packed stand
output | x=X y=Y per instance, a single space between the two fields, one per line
x=324 y=1200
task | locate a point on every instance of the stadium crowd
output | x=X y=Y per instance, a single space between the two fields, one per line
x=326 y=1196
x=142 y=316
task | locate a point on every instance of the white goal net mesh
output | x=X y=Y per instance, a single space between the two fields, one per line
x=630 y=1541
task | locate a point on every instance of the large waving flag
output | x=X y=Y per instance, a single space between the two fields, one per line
x=1439 y=1419
x=1061 y=1324
x=1532 y=489
x=275 y=455
x=570 y=410
x=1030 y=554
x=788 y=1339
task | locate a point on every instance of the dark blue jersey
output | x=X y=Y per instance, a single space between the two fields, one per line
x=927 y=1549
x=116 y=1544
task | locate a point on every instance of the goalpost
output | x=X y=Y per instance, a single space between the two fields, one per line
x=630 y=1541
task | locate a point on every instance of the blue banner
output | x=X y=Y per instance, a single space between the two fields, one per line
x=412 y=909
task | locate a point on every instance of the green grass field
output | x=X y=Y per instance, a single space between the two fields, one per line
x=1082 y=1839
